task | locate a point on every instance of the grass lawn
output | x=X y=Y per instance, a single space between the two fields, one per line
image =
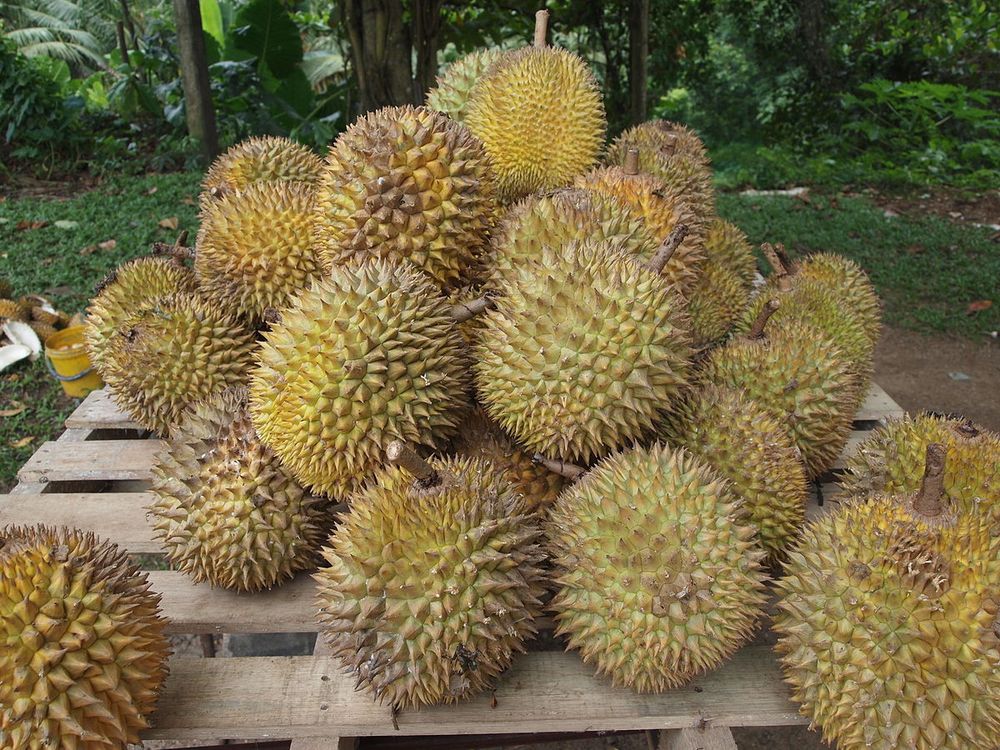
x=927 y=270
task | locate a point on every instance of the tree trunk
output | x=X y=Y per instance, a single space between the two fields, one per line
x=638 y=53
x=380 y=52
x=811 y=32
x=194 y=77
x=426 y=36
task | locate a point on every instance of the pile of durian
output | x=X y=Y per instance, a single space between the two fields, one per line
x=474 y=366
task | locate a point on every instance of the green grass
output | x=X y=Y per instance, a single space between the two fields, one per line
x=926 y=269
x=48 y=261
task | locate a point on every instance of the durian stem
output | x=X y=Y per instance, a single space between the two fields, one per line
x=779 y=250
x=757 y=329
x=178 y=251
x=541 y=27
x=663 y=253
x=631 y=166
x=930 y=500
x=671 y=145
x=401 y=455
x=774 y=259
x=563 y=469
x=464 y=311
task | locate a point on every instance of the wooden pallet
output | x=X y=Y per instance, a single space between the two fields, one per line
x=96 y=477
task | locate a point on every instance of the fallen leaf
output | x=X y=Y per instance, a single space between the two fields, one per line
x=889 y=213
x=914 y=249
x=16 y=407
x=65 y=224
x=187 y=200
x=108 y=244
x=22 y=442
x=59 y=291
x=169 y=223
x=978 y=306
x=88 y=250
x=23 y=225
x=152 y=190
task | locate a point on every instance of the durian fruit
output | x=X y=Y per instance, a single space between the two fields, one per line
x=255 y=248
x=433 y=583
x=369 y=355
x=171 y=353
x=673 y=155
x=562 y=216
x=583 y=351
x=659 y=572
x=264 y=159
x=44 y=330
x=407 y=182
x=82 y=651
x=887 y=623
x=662 y=209
x=715 y=302
x=451 y=95
x=726 y=244
x=540 y=114
x=797 y=374
x=481 y=438
x=751 y=449
x=225 y=511
x=13 y=310
x=127 y=290
x=891 y=461
x=41 y=315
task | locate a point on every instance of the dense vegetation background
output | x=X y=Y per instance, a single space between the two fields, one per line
x=824 y=91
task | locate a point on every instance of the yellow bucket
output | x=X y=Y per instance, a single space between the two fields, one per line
x=67 y=360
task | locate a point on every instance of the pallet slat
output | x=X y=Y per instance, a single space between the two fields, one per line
x=307 y=696
x=98 y=412
x=91 y=460
x=878 y=406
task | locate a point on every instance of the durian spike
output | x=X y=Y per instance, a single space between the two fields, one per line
x=464 y=311
x=757 y=329
x=631 y=166
x=178 y=251
x=400 y=454
x=930 y=500
x=771 y=253
x=541 y=27
x=662 y=255
x=562 y=468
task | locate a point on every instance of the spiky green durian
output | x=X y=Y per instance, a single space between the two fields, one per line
x=560 y=217
x=751 y=449
x=887 y=624
x=13 y=310
x=82 y=651
x=441 y=629
x=891 y=461
x=480 y=437
x=663 y=209
x=43 y=330
x=715 y=302
x=255 y=248
x=659 y=571
x=264 y=159
x=368 y=355
x=797 y=374
x=174 y=352
x=675 y=156
x=451 y=95
x=41 y=315
x=540 y=114
x=582 y=352
x=727 y=245
x=125 y=291
x=225 y=511
x=407 y=182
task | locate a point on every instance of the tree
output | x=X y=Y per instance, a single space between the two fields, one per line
x=198 y=107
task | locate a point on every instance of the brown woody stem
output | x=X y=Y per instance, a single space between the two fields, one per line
x=563 y=469
x=631 y=166
x=178 y=251
x=930 y=499
x=464 y=311
x=779 y=250
x=757 y=329
x=400 y=454
x=663 y=253
x=774 y=259
x=541 y=27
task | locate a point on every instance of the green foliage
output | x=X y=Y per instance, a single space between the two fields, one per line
x=70 y=30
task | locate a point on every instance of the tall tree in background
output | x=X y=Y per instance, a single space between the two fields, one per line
x=638 y=55
x=198 y=107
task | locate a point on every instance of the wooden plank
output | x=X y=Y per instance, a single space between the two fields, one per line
x=709 y=738
x=322 y=648
x=853 y=441
x=878 y=406
x=198 y=608
x=98 y=411
x=119 y=517
x=91 y=460
x=309 y=696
